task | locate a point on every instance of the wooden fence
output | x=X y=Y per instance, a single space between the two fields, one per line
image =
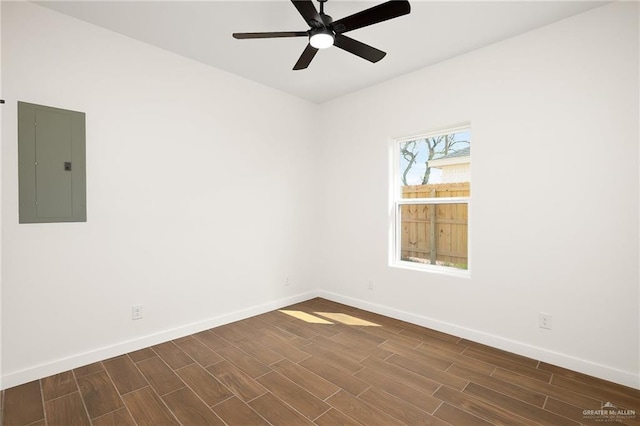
x=435 y=233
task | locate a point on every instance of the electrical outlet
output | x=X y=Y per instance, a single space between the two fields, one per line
x=370 y=285
x=136 y=312
x=544 y=320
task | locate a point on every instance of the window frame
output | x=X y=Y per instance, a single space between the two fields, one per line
x=396 y=202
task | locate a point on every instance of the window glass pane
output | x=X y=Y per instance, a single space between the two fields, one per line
x=434 y=234
x=435 y=160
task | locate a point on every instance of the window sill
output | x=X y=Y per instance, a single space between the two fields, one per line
x=442 y=270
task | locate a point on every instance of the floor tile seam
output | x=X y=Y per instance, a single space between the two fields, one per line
x=392 y=353
x=579 y=392
x=211 y=407
x=139 y=372
x=61 y=396
x=425 y=360
x=193 y=361
x=376 y=409
x=454 y=354
x=168 y=366
x=255 y=379
x=56 y=390
x=107 y=413
x=436 y=391
x=518 y=400
x=212 y=330
x=508 y=411
x=434 y=370
x=331 y=407
x=393 y=416
x=290 y=406
x=157 y=395
x=437 y=408
x=301 y=387
x=504 y=358
x=448 y=368
x=244 y=352
x=558 y=414
x=554 y=375
x=264 y=347
x=411 y=386
x=559 y=389
x=524 y=390
x=210 y=365
x=186 y=385
x=172 y=391
x=315 y=376
x=551 y=376
x=546 y=399
x=208 y=348
x=336 y=392
x=243 y=402
x=580 y=381
x=88 y=374
x=115 y=388
x=458 y=408
x=243 y=371
x=510 y=367
x=407 y=402
x=42 y=401
x=564 y=402
x=274 y=362
x=148 y=385
x=84 y=403
x=412 y=374
x=199 y=339
x=266 y=391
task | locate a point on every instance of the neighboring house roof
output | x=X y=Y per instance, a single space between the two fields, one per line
x=465 y=152
x=455 y=157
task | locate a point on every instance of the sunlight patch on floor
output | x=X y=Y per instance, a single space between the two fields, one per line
x=306 y=317
x=347 y=319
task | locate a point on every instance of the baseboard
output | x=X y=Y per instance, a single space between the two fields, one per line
x=562 y=360
x=58 y=366
x=583 y=366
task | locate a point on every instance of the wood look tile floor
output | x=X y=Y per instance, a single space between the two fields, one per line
x=316 y=363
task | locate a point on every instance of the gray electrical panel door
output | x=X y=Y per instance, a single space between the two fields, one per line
x=52 y=170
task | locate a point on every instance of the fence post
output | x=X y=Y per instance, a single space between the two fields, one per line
x=432 y=229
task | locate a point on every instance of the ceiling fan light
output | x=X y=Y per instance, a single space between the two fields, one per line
x=321 y=39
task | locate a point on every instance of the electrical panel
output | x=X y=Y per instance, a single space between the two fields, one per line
x=52 y=164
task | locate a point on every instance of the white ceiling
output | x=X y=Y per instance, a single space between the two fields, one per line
x=432 y=32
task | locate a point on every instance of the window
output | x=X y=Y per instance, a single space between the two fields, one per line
x=431 y=186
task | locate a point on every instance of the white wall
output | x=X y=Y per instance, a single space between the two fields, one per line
x=197 y=197
x=1 y=197
x=544 y=238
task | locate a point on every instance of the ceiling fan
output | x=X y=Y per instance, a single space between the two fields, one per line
x=324 y=32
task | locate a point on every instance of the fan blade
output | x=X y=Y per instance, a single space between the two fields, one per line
x=306 y=57
x=382 y=12
x=365 y=51
x=308 y=11
x=241 y=36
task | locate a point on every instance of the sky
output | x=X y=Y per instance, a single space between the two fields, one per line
x=414 y=177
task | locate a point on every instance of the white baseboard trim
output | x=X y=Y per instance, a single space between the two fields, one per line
x=60 y=365
x=584 y=366
x=562 y=360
